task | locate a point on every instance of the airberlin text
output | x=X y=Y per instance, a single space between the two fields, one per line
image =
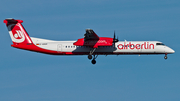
x=145 y=45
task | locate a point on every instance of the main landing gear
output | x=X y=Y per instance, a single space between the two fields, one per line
x=93 y=60
x=165 y=57
x=90 y=56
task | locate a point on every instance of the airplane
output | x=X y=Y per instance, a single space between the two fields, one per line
x=91 y=45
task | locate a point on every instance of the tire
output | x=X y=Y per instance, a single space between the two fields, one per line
x=89 y=57
x=93 y=61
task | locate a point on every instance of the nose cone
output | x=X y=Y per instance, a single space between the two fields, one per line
x=170 y=51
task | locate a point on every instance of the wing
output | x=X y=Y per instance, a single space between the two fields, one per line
x=91 y=39
x=90 y=35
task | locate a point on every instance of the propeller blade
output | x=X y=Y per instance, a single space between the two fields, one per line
x=114 y=35
x=114 y=38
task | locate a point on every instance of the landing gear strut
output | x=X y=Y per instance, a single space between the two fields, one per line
x=165 y=57
x=90 y=54
x=94 y=57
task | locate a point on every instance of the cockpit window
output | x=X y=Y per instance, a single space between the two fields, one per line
x=160 y=44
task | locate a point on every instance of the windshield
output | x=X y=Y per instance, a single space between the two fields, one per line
x=160 y=44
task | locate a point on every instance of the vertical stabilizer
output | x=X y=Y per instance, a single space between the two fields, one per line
x=17 y=32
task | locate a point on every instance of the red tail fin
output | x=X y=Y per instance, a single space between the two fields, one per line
x=17 y=32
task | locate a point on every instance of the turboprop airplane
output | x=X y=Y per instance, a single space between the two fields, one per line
x=91 y=45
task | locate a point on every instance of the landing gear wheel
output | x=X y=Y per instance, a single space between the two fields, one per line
x=93 y=61
x=165 y=57
x=89 y=57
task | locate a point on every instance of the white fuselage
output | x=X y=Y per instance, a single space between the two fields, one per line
x=121 y=47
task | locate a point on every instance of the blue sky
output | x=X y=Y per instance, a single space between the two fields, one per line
x=30 y=76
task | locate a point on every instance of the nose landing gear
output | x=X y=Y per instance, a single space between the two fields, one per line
x=165 y=57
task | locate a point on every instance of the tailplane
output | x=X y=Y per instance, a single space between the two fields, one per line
x=17 y=32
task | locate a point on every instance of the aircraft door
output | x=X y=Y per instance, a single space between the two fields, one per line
x=59 y=48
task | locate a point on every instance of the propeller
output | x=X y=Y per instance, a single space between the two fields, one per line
x=114 y=39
